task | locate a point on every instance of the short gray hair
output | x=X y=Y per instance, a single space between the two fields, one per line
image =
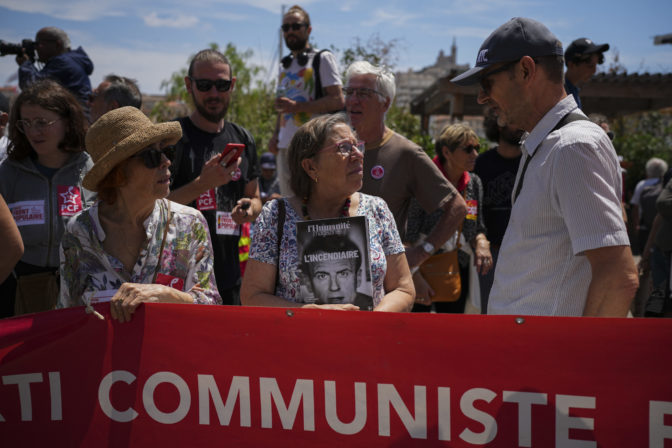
x=655 y=168
x=123 y=90
x=384 y=77
x=58 y=34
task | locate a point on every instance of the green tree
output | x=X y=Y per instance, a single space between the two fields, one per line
x=640 y=137
x=375 y=50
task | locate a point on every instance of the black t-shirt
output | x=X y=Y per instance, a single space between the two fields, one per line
x=194 y=149
x=498 y=174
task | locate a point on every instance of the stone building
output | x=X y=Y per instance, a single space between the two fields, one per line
x=412 y=83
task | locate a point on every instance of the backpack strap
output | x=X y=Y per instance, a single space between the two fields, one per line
x=568 y=118
x=316 y=73
x=279 y=232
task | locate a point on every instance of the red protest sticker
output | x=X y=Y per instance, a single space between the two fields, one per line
x=472 y=209
x=169 y=280
x=69 y=200
x=207 y=201
x=377 y=172
x=237 y=175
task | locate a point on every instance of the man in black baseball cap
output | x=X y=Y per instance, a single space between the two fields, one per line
x=566 y=250
x=516 y=38
x=581 y=58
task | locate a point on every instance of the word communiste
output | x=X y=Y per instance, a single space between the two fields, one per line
x=387 y=399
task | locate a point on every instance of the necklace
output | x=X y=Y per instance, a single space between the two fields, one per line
x=345 y=211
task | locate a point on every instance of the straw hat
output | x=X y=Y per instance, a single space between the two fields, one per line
x=118 y=135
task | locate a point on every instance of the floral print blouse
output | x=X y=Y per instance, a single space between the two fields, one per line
x=186 y=263
x=383 y=240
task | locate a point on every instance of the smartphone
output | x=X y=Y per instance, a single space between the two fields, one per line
x=237 y=147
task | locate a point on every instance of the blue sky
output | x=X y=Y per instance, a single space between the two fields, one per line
x=148 y=40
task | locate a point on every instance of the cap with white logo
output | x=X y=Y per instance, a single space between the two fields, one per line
x=516 y=38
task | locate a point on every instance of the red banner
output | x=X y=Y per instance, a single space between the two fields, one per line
x=186 y=375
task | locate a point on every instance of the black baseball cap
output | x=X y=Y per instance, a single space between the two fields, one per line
x=518 y=37
x=584 y=46
x=267 y=161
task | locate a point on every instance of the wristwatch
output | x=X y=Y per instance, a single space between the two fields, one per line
x=428 y=247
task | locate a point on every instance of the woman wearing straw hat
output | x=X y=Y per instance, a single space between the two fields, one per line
x=135 y=246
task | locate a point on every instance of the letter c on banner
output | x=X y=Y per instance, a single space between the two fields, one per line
x=104 y=396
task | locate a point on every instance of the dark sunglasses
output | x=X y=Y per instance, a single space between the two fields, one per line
x=293 y=26
x=486 y=85
x=204 y=85
x=151 y=156
x=468 y=149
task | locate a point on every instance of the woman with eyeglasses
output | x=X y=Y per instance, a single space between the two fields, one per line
x=325 y=163
x=41 y=181
x=135 y=246
x=457 y=149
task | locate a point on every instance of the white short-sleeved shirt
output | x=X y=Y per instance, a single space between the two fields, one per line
x=569 y=203
x=297 y=83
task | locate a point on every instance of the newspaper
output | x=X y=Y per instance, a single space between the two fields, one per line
x=334 y=261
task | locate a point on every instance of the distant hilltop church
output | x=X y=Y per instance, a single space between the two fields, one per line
x=410 y=84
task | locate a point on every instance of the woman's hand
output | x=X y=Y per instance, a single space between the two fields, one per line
x=483 y=256
x=131 y=295
x=423 y=292
x=332 y=306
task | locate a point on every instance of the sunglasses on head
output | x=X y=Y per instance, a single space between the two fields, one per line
x=204 y=85
x=293 y=26
x=151 y=156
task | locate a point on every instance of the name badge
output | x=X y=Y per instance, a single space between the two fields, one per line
x=226 y=225
x=472 y=209
x=169 y=280
x=103 y=296
x=28 y=213
x=207 y=201
x=69 y=200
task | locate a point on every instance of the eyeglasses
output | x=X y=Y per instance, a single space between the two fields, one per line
x=151 y=156
x=361 y=92
x=486 y=84
x=469 y=148
x=204 y=85
x=293 y=26
x=346 y=148
x=38 y=124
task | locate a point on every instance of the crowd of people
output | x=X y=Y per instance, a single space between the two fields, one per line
x=128 y=211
